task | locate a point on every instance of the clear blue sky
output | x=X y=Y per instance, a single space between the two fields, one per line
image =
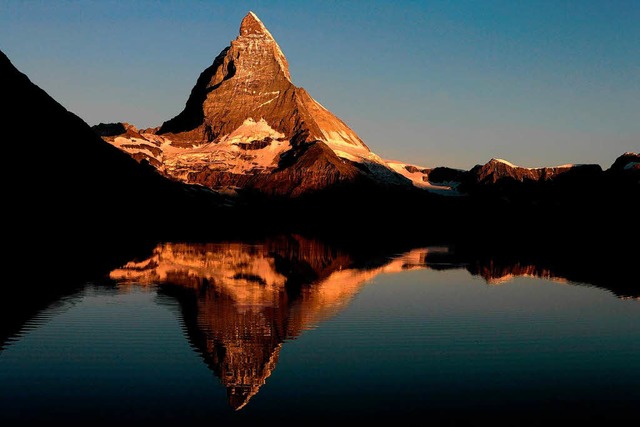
x=452 y=83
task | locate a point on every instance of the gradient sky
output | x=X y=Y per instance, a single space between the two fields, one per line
x=433 y=83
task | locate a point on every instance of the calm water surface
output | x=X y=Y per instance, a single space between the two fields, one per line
x=295 y=330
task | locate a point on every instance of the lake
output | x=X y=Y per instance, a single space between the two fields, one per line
x=292 y=329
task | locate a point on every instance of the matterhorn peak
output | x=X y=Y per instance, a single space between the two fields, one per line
x=256 y=49
x=250 y=80
x=246 y=124
x=251 y=24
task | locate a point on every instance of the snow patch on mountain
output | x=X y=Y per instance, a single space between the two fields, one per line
x=419 y=176
x=224 y=157
x=138 y=145
x=251 y=131
x=565 y=166
x=507 y=163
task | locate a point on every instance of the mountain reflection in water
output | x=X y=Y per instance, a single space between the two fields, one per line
x=240 y=302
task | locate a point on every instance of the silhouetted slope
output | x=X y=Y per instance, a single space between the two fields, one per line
x=66 y=186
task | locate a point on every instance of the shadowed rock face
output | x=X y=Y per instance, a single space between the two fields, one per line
x=445 y=174
x=627 y=162
x=625 y=167
x=522 y=197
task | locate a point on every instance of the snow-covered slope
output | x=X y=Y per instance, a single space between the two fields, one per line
x=419 y=176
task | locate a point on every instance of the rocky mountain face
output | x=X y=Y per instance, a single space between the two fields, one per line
x=246 y=125
x=250 y=80
x=628 y=164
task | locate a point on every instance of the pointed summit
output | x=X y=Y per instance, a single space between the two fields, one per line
x=259 y=47
x=249 y=82
x=251 y=24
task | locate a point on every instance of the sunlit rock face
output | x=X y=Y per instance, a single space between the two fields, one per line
x=497 y=169
x=629 y=162
x=247 y=125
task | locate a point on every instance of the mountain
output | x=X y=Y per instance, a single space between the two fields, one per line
x=497 y=169
x=628 y=163
x=500 y=176
x=246 y=125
